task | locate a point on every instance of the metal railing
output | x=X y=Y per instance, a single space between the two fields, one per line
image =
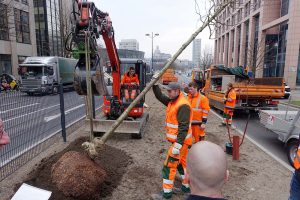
x=35 y=122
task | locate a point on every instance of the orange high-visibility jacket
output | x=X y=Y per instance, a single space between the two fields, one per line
x=297 y=160
x=200 y=106
x=172 y=123
x=231 y=99
x=127 y=79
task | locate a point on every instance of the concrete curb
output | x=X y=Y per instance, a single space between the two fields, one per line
x=291 y=105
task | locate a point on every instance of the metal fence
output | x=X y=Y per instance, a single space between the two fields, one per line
x=33 y=123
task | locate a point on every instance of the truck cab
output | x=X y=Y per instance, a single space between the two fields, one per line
x=43 y=74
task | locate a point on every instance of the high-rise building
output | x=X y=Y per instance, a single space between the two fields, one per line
x=197 y=52
x=263 y=36
x=17 y=34
x=48 y=27
x=129 y=44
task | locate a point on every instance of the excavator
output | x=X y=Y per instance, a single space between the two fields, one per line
x=89 y=24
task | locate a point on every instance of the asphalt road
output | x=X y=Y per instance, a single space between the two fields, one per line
x=256 y=131
x=31 y=119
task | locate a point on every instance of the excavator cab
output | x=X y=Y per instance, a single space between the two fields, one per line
x=113 y=109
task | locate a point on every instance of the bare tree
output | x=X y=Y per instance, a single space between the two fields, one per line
x=207 y=58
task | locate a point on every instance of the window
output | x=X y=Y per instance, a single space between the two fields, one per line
x=284 y=7
x=246 y=43
x=256 y=45
x=22 y=26
x=5 y=64
x=4 y=31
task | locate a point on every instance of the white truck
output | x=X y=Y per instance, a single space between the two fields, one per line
x=44 y=74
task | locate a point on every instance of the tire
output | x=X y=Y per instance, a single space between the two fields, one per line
x=54 y=89
x=291 y=150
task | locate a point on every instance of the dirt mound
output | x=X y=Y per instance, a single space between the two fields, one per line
x=76 y=175
x=112 y=160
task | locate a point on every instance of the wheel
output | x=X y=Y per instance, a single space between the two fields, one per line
x=55 y=89
x=291 y=150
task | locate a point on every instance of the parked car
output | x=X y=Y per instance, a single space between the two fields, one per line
x=8 y=82
x=287 y=91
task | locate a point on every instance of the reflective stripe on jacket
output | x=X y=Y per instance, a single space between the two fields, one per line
x=127 y=79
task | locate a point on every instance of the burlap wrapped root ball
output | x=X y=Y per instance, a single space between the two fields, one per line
x=76 y=175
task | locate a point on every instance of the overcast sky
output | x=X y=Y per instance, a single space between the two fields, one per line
x=174 y=20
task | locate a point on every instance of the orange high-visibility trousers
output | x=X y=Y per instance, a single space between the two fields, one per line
x=171 y=165
x=132 y=94
x=197 y=133
x=227 y=116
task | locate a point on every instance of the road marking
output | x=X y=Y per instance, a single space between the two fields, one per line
x=258 y=145
x=3 y=112
x=47 y=119
x=8 y=104
x=30 y=113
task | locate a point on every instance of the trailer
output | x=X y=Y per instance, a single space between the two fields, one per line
x=286 y=124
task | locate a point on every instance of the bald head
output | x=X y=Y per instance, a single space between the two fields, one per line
x=206 y=168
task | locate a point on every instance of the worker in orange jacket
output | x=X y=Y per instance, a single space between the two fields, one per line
x=200 y=106
x=179 y=134
x=130 y=82
x=229 y=101
x=295 y=182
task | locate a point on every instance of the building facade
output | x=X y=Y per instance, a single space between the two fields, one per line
x=262 y=35
x=17 y=34
x=129 y=44
x=197 y=52
x=49 y=31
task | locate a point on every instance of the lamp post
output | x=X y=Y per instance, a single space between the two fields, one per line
x=152 y=36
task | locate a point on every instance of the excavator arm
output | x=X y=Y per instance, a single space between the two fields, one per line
x=88 y=22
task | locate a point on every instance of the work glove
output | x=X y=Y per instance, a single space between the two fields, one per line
x=176 y=148
x=202 y=126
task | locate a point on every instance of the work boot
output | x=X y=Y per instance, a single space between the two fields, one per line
x=161 y=196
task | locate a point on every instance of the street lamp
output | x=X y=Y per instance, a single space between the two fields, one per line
x=152 y=36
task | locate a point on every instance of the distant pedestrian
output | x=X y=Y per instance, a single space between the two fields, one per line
x=207 y=171
x=4 y=139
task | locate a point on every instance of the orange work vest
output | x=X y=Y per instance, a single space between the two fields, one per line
x=297 y=160
x=200 y=106
x=231 y=95
x=127 y=79
x=172 y=123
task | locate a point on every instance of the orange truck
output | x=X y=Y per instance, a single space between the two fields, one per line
x=252 y=93
x=169 y=76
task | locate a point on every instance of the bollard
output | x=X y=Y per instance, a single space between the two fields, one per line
x=236 y=147
x=62 y=113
